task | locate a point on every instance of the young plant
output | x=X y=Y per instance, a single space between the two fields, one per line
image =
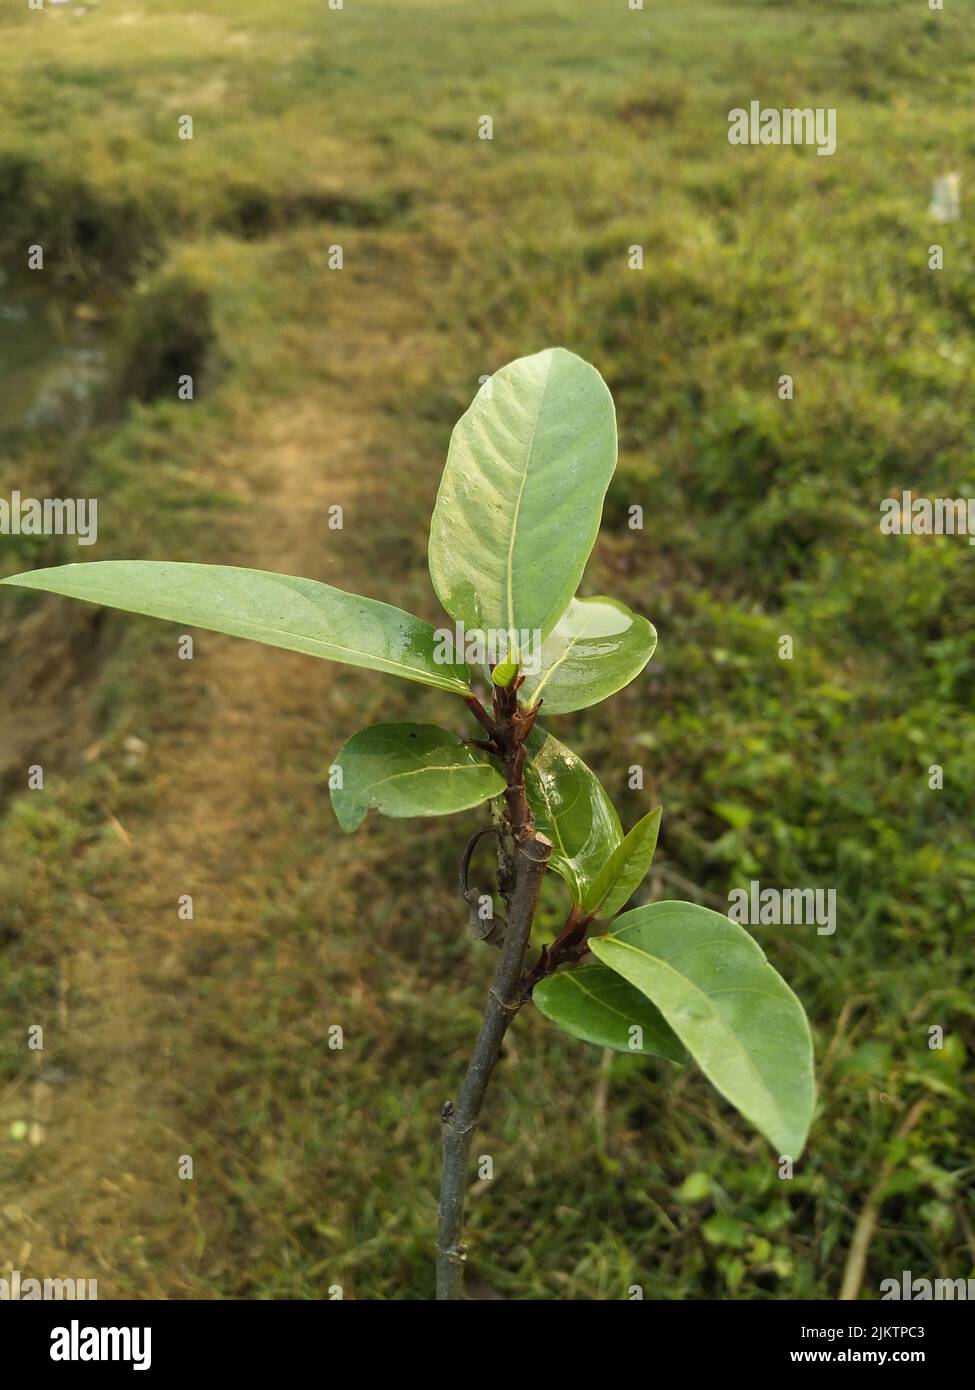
x=515 y=520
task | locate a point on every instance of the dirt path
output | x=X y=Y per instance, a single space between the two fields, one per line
x=146 y=996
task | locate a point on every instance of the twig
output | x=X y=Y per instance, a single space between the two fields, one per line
x=599 y=1100
x=672 y=876
x=523 y=855
x=856 y=1258
x=460 y=1120
x=569 y=945
x=472 y=843
x=492 y=929
x=839 y=1033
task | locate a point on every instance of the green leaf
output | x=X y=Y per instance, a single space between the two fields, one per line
x=522 y=492
x=596 y=647
x=597 y=1005
x=696 y=1187
x=737 y=1017
x=410 y=770
x=280 y=610
x=625 y=870
x=572 y=809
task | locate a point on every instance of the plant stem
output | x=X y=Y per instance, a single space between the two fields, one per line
x=531 y=856
x=523 y=856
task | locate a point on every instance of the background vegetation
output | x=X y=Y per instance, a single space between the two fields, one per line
x=317 y=387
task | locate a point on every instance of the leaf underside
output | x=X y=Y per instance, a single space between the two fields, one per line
x=625 y=870
x=596 y=648
x=598 y=1006
x=736 y=1016
x=522 y=492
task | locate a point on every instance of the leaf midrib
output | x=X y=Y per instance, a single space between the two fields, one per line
x=536 y=693
x=419 y=772
x=381 y=663
x=509 y=569
x=572 y=977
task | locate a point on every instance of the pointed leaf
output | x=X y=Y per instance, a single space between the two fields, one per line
x=280 y=610
x=737 y=1017
x=410 y=770
x=626 y=868
x=597 y=1005
x=572 y=809
x=596 y=647
x=522 y=493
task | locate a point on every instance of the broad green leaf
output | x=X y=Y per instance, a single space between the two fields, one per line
x=410 y=770
x=626 y=868
x=522 y=493
x=595 y=648
x=572 y=809
x=737 y=1017
x=280 y=610
x=597 y=1005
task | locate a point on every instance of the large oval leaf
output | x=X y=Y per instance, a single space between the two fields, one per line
x=521 y=495
x=737 y=1017
x=410 y=770
x=596 y=647
x=280 y=610
x=625 y=870
x=597 y=1005
x=572 y=809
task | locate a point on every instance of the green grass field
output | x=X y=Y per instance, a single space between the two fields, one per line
x=314 y=128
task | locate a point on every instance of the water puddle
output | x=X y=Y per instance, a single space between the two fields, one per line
x=52 y=360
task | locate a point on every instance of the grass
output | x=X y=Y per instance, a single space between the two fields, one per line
x=316 y=1167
